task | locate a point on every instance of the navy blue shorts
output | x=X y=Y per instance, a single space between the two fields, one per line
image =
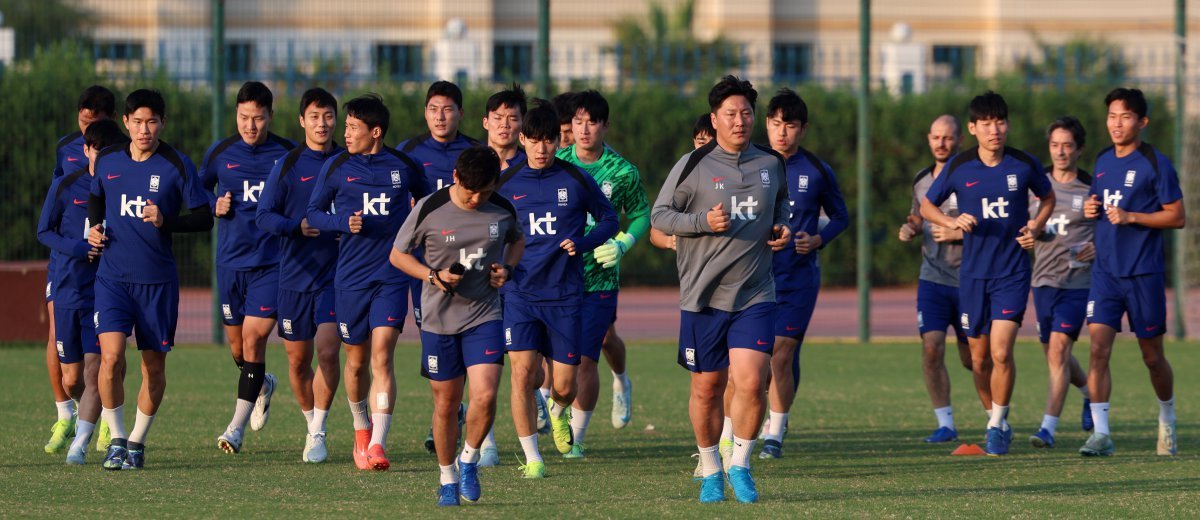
x=416 y=286
x=445 y=357
x=1142 y=297
x=600 y=312
x=985 y=300
x=74 y=334
x=937 y=309
x=301 y=312
x=153 y=308
x=705 y=337
x=360 y=311
x=553 y=331
x=248 y=293
x=1059 y=310
x=793 y=312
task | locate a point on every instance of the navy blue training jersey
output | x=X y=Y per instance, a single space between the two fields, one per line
x=241 y=169
x=811 y=188
x=553 y=205
x=136 y=251
x=382 y=186
x=998 y=198
x=63 y=227
x=305 y=263
x=438 y=158
x=69 y=154
x=1141 y=182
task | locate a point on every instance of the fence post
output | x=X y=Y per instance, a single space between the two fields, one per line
x=543 y=53
x=1177 y=236
x=217 y=73
x=864 y=175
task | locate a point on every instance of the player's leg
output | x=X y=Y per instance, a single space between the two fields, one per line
x=750 y=336
x=155 y=333
x=231 y=293
x=564 y=327
x=297 y=326
x=545 y=384
x=937 y=306
x=1148 y=318
x=484 y=378
x=596 y=324
x=704 y=352
x=1007 y=301
x=388 y=307
x=353 y=310
x=89 y=409
x=1105 y=308
x=253 y=382
x=64 y=426
x=261 y=308
x=80 y=355
x=614 y=352
x=113 y=321
x=973 y=320
x=442 y=364
x=781 y=392
x=1058 y=356
x=525 y=365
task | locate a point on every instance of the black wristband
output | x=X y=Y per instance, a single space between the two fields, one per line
x=508 y=272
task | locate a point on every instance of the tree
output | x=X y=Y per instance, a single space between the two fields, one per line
x=664 y=47
x=42 y=22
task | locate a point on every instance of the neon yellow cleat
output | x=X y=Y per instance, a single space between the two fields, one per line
x=62 y=430
x=103 y=437
x=578 y=451
x=533 y=469
x=560 y=428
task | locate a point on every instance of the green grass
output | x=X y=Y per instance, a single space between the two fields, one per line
x=854 y=450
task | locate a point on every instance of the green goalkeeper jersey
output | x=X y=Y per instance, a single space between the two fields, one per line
x=621 y=183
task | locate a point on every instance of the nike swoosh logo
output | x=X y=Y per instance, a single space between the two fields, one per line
x=231 y=166
x=1006 y=311
x=718 y=179
x=761 y=342
x=391 y=318
x=331 y=313
x=571 y=355
x=447 y=232
x=519 y=197
x=1065 y=325
x=490 y=352
x=164 y=343
x=352 y=179
x=1098 y=175
x=790 y=328
x=605 y=296
x=306 y=179
x=264 y=309
x=78 y=202
x=972 y=184
x=111 y=177
x=72 y=159
x=427 y=164
x=1151 y=329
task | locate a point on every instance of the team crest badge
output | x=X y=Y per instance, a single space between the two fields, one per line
x=1077 y=203
x=154 y=183
x=765 y=175
x=344 y=330
x=562 y=196
x=1130 y=176
x=395 y=178
x=494 y=230
x=1012 y=182
x=690 y=355
x=508 y=336
x=965 y=321
x=607 y=189
x=431 y=364
x=802 y=182
x=287 y=326
x=226 y=311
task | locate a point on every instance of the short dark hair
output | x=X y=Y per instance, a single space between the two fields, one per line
x=541 y=122
x=319 y=96
x=512 y=97
x=1069 y=124
x=103 y=134
x=704 y=126
x=789 y=106
x=369 y=108
x=98 y=99
x=988 y=105
x=564 y=104
x=730 y=86
x=1133 y=99
x=257 y=92
x=593 y=103
x=445 y=88
x=477 y=167
x=146 y=98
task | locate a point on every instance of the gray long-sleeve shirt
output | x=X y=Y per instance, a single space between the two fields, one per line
x=731 y=270
x=940 y=261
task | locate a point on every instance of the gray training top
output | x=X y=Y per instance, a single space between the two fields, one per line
x=940 y=260
x=727 y=271
x=475 y=239
x=1054 y=263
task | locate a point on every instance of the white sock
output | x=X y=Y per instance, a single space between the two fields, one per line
x=727 y=429
x=358 y=411
x=448 y=475
x=579 y=424
x=999 y=418
x=66 y=409
x=945 y=416
x=380 y=423
x=1084 y=390
x=530 y=445
x=469 y=454
x=556 y=410
x=778 y=423
x=490 y=440
x=141 y=426
x=1050 y=423
x=115 y=417
x=308 y=416
x=1100 y=417
x=1166 y=411
x=620 y=381
x=710 y=461
x=545 y=393
x=741 y=451
x=241 y=415
x=83 y=435
x=317 y=423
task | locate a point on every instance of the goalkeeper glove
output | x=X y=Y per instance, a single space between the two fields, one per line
x=609 y=253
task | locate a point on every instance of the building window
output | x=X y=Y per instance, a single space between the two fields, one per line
x=239 y=59
x=512 y=61
x=399 y=61
x=792 y=62
x=119 y=51
x=954 y=61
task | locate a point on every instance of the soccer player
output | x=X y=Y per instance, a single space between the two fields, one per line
x=813 y=188
x=247 y=257
x=473 y=237
x=937 y=286
x=505 y=110
x=620 y=182
x=137 y=193
x=371 y=186
x=726 y=203
x=1134 y=196
x=307 y=261
x=95 y=103
x=63 y=226
x=1062 y=272
x=991 y=183
x=542 y=305
x=563 y=106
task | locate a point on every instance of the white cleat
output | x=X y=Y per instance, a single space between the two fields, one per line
x=543 y=413
x=230 y=441
x=76 y=456
x=262 y=405
x=1166 y=439
x=489 y=457
x=622 y=404
x=314 y=448
x=699 y=471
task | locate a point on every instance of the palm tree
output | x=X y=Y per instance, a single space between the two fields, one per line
x=662 y=46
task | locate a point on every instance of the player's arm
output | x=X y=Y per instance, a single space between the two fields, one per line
x=48 y=227
x=661 y=240
x=637 y=207
x=669 y=211
x=208 y=177
x=834 y=205
x=1171 y=216
x=322 y=199
x=607 y=223
x=269 y=216
x=409 y=238
x=913 y=223
x=200 y=217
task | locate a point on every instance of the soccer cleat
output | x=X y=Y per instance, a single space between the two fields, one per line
x=698 y=473
x=997 y=441
x=578 y=451
x=712 y=488
x=1098 y=445
x=468 y=483
x=533 y=469
x=60 y=433
x=742 y=484
x=262 y=405
x=448 y=495
x=1086 y=421
x=134 y=459
x=489 y=457
x=726 y=449
x=230 y=441
x=772 y=449
x=1166 y=439
x=943 y=434
x=76 y=456
x=543 y=413
x=314 y=448
x=103 y=437
x=361 y=439
x=560 y=427
x=1042 y=439
x=377 y=459
x=622 y=409
x=429 y=445
x=114 y=458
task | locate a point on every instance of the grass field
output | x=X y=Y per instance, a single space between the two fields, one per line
x=854 y=450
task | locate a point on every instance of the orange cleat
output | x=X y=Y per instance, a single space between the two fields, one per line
x=361 y=439
x=377 y=459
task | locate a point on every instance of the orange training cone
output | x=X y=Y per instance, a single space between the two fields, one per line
x=968 y=449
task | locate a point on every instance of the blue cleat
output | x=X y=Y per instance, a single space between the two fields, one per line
x=997 y=441
x=742 y=484
x=943 y=434
x=1087 y=422
x=114 y=459
x=468 y=486
x=1042 y=439
x=448 y=495
x=712 y=488
x=772 y=449
x=135 y=458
